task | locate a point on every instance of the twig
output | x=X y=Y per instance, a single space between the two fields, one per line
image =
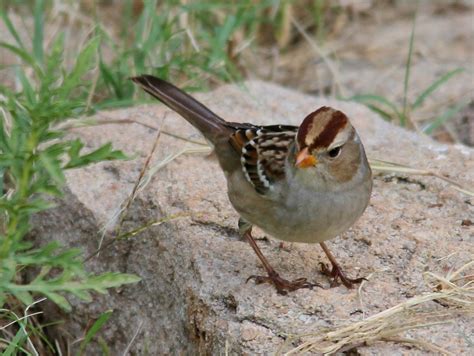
x=322 y=54
x=125 y=352
x=91 y=122
x=124 y=206
x=133 y=195
x=400 y=168
x=120 y=214
x=135 y=232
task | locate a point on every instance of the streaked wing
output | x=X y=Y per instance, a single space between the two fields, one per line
x=263 y=151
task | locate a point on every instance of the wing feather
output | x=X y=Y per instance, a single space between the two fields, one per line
x=263 y=151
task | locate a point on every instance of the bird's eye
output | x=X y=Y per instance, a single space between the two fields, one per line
x=335 y=152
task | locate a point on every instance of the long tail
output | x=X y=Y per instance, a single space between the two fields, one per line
x=210 y=125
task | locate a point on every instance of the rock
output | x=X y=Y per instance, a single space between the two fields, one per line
x=193 y=297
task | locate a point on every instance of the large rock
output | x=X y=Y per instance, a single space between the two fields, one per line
x=193 y=296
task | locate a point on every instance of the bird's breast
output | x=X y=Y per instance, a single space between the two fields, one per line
x=298 y=215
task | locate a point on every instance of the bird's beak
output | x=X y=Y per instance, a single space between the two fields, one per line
x=304 y=159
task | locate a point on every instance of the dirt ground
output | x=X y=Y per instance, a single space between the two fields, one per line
x=365 y=52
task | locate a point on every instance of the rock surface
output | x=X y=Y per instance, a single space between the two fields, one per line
x=193 y=297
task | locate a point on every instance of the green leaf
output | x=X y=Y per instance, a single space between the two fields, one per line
x=110 y=280
x=49 y=189
x=53 y=167
x=85 y=61
x=109 y=80
x=51 y=135
x=57 y=298
x=21 y=53
x=435 y=85
x=28 y=90
x=8 y=266
x=24 y=297
x=67 y=282
x=103 y=153
x=82 y=294
x=75 y=147
x=114 y=104
x=36 y=205
x=11 y=28
x=48 y=256
x=4 y=141
x=95 y=328
x=48 y=81
x=38 y=30
x=226 y=30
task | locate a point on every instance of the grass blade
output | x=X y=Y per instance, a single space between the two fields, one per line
x=109 y=79
x=384 y=114
x=14 y=346
x=11 y=28
x=407 y=71
x=440 y=120
x=435 y=85
x=368 y=99
x=20 y=52
x=94 y=330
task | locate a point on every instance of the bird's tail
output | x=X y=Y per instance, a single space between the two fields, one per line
x=210 y=124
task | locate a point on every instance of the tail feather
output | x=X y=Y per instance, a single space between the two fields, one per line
x=210 y=124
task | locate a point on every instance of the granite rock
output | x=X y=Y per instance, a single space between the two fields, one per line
x=193 y=297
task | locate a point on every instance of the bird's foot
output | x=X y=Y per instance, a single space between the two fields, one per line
x=337 y=274
x=282 y=285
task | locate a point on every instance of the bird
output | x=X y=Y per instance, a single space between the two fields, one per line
x=306 y=183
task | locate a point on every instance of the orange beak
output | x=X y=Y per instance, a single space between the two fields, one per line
x=304 y=159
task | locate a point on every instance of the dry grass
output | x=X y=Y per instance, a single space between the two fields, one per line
x=146 y=174
x=453 y=291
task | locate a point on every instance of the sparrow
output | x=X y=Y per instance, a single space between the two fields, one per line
x=299 y=184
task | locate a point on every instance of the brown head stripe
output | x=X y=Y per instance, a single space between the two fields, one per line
x=306 y=125
x=333 y=121
x=332 y=128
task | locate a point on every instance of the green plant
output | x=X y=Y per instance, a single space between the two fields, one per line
x=391 y=111
x=175 y=41
x=34 y=153
x=33 y=157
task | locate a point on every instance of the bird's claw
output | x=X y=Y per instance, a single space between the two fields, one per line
x=282 y=285
x=337 y=275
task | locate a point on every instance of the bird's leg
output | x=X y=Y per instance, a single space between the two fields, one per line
x=336 y=272
x=282 y=286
